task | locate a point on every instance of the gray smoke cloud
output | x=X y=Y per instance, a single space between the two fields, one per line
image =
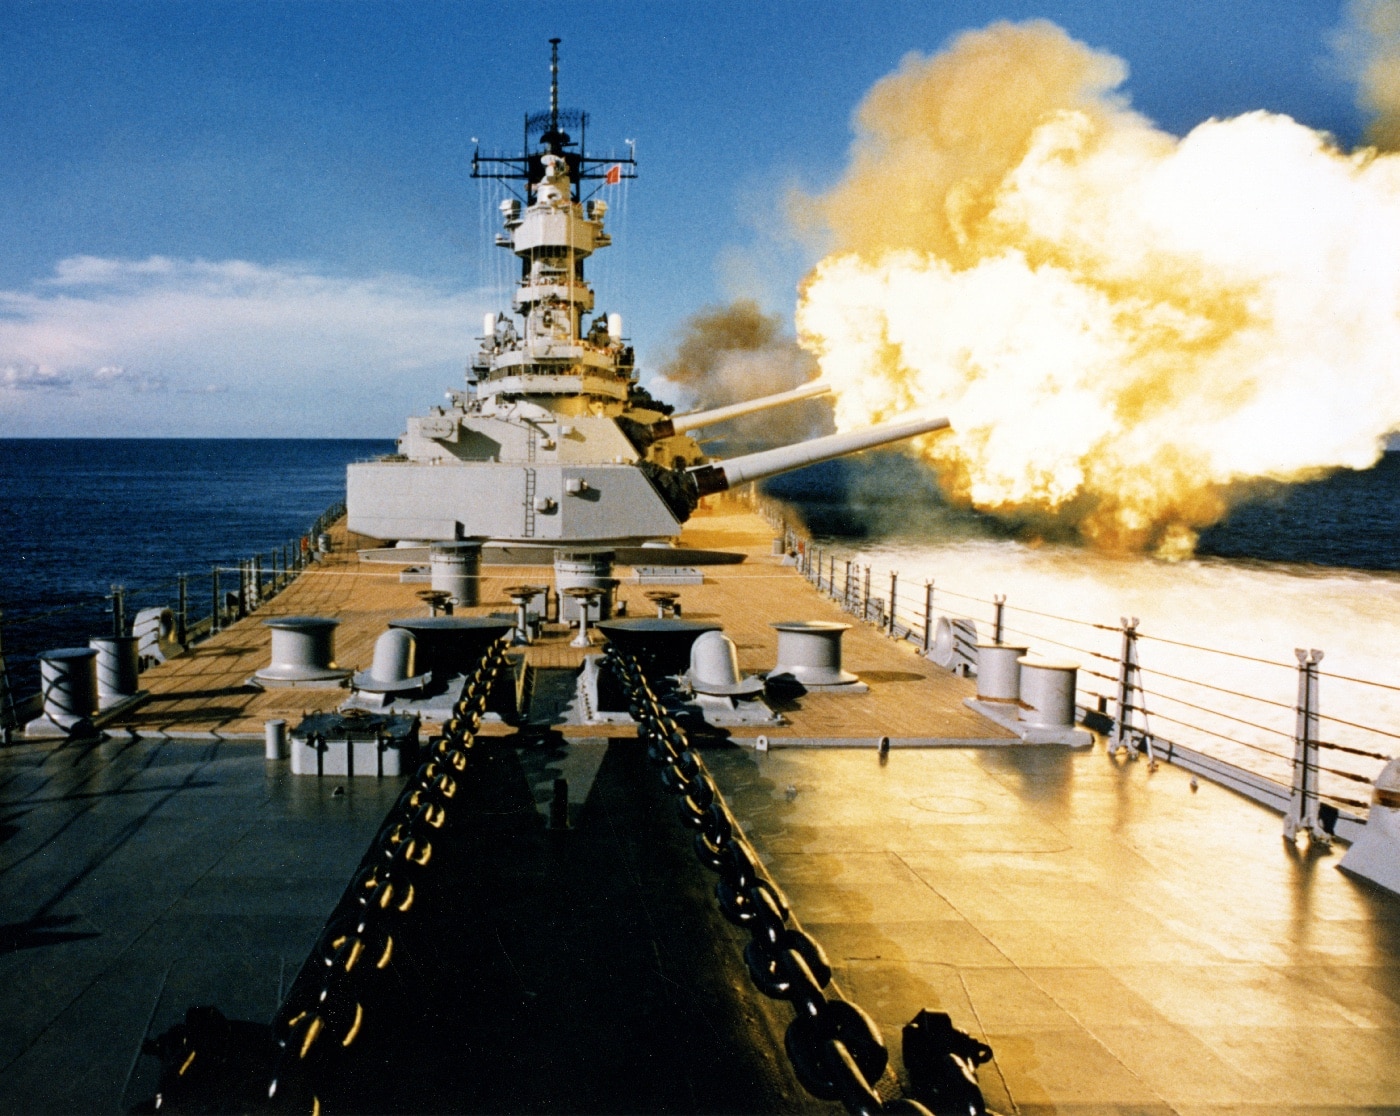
x=1368 y=49
x=727 y=354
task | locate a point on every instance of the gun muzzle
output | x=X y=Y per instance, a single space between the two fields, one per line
x=720 y=475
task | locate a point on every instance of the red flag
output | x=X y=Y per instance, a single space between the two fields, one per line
x=614 y=175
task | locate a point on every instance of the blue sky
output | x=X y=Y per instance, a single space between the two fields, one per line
x=257 y=218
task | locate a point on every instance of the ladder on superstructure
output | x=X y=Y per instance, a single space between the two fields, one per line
x=529 y=503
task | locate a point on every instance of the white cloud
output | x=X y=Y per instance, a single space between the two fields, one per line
x=110 y=375
x=30 y=377
x=311 y=353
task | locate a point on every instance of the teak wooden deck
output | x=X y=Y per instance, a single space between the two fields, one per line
x=205 y=692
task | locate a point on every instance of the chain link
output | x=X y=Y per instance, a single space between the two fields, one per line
x=327 y=1006
x=835 y=1048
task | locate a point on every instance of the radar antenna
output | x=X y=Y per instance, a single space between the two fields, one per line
x=554 y=85
x=547 y=130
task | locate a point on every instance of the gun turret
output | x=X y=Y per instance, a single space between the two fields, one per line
x=679 y=424
x=721 y=475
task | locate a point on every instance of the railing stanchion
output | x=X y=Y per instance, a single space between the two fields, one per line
x=1125 y=727
x=1303 y=802
x=118 y=611
x=928 y=617
x=8 y=719
x=182 y=614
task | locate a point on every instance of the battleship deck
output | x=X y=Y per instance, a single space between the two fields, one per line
x=205 y=693
x=1126 y=943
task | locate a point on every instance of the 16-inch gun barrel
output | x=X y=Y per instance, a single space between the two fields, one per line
x=720 y=475
x=679 y=424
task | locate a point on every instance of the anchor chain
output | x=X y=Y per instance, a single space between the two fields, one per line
x=358 y=940
x=835 y=1048
x=326 y=1008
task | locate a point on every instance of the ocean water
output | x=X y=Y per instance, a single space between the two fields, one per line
x=79 y=515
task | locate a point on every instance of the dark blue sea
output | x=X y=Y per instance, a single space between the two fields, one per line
x=79 y=515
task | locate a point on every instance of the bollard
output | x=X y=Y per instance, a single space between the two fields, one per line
x=117 y=668
x=303 y=653
x=809 y=655
x=1047 y=693
x=999 y=671
x=275 y=740
x=68 y=677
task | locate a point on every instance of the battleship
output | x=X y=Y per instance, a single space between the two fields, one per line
x=556 y=773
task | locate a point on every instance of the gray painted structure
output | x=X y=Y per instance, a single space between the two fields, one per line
x=553 y=440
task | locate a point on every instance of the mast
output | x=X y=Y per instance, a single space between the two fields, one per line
x=553 y=85
x=553 y=227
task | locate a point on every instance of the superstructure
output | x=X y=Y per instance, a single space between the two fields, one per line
x=553 y=440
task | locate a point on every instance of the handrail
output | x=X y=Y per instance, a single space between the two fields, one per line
x=910 y=621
